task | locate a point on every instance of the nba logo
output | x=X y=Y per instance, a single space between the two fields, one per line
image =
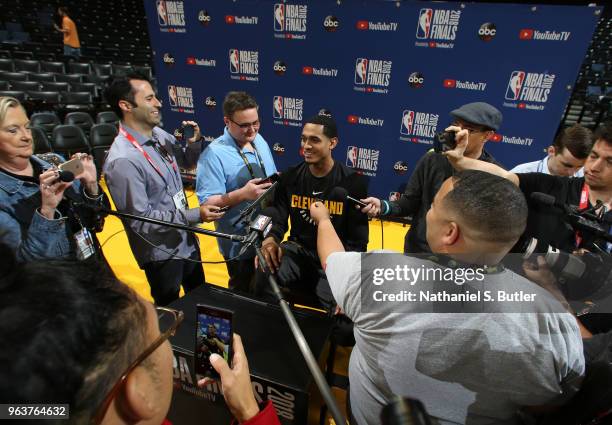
x=407 y=122
x=277 y=106
x=361 y=67
x=279 y=17
x=233 y=60
x=351 y=157
x=172 y=95
x=162 y=14
x=424 y=26
x=515 y=84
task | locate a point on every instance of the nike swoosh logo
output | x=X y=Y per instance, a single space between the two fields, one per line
x=317 y=193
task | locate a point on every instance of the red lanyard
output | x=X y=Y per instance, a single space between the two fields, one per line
x=134 y=143
x=584 y=204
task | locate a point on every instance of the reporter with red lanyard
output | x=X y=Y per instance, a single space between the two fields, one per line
x=546 y=223
x=142 y=174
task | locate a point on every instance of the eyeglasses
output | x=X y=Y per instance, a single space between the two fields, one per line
x=246 y=126
x=169 y=321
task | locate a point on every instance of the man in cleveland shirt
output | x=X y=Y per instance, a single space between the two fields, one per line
x=319 y=177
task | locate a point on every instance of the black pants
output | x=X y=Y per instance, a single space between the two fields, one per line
x=241 y=275
x=165 y=277
x=300 y=277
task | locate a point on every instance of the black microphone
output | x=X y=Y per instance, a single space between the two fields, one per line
x=550 y=201
x=260 y=227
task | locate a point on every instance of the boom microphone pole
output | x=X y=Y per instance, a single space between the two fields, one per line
x=237 y=238
x=258 y=230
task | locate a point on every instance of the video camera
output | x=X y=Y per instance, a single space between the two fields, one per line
x=581 y=276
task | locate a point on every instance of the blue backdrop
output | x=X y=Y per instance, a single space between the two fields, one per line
x=389 y=74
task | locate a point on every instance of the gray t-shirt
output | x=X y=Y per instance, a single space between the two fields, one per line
x=467 y=368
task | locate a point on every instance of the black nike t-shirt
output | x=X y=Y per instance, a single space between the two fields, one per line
x=298 y=188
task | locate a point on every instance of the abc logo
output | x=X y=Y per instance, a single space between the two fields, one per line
x=278 y=148
x=210 y=102
x=400 y=167
x=416 y=80
x=204 y=18
x=280 y=68
x=331 y=23
x=168 y=59
x=487 y=31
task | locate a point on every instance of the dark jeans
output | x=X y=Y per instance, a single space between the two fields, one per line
x=165 y=277
x=242 y=275
x=300 y=277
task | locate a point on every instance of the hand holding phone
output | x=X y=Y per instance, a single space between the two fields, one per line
x=270 y=179
x=75 y=166
x=214 y=335
x=356 y=201
x=188 y=132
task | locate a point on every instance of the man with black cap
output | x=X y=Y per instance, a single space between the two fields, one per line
x=481 y=120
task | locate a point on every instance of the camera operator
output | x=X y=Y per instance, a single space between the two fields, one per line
x=545 y=223
x=481 y=120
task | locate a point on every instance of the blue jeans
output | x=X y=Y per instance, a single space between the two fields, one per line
x=71 y=51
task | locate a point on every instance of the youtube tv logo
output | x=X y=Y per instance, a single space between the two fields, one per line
x=352 y=119
x=496 y=138
x=229 y=19
x=450 y=84
x=526 y=34
x=307 y=70
x=191 y=60
x=362 y=25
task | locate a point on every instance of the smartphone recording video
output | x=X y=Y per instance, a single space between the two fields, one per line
x=214 y=334
x=75 y=166
x=270 y=179
x=188 y=132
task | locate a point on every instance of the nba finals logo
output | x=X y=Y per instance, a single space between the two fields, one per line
x=234 y=61
x=351 y=156
x=530 y=89
x=244 y=65
x=418 y=127
x=440 y=26
x=364 y=160
x=424 y=24
x=277 y=106
x=290 y=21
x=287 y=110
x=372 y=75
x=180 y=99
x=162 y=13
x=172 y=95
x=279 y=17
x=407 y=121
x=514 y=85
x=171 y=16
x=361 y=67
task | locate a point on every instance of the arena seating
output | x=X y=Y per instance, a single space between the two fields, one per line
x=55 y=89
x=591 y=99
